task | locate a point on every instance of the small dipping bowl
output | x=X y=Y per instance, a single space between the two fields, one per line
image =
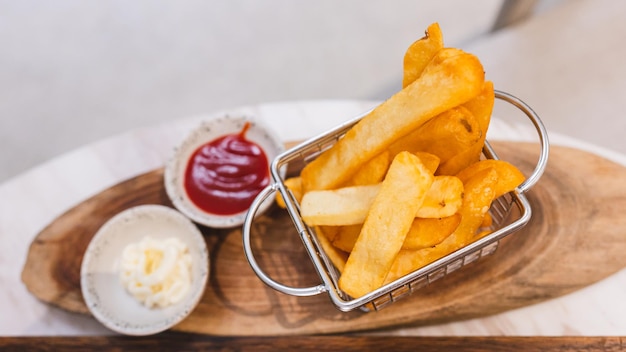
x=101 y=285
x=210 y=131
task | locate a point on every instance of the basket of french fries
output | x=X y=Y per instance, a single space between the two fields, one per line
x=407 y=193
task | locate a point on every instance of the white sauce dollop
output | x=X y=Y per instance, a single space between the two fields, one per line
x=156 y=272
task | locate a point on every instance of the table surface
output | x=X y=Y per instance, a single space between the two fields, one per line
x=34 y=199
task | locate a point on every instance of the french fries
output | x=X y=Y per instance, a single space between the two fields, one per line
x=386 y=225
x=419 y=54
x=451 y=78
x=405 y=186
x=350 y=205
x=446 y=135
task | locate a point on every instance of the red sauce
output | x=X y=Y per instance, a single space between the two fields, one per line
x=225 y=175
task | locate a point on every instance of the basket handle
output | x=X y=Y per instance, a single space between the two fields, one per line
x=543 y=139
x=247 y=225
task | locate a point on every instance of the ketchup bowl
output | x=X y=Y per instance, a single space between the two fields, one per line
x=218 y=170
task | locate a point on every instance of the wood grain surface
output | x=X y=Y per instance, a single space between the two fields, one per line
x=188 y=342
x=574 y=239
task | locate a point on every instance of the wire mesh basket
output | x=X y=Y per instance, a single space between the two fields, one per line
x=510 y=212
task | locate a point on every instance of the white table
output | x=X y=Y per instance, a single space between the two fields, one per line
x=30 y=201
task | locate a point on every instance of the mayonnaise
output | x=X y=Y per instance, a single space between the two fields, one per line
x=156 y=272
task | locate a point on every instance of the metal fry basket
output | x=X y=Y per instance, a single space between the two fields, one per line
x=510 y=213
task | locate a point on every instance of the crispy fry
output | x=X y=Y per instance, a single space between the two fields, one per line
x=443 y=199
x=420 y=53
x=336 y=256
x=446 y=135
x=487 y=221
x=425 y=233
x=509 y=176
x=430 y=161
x=350 y=205
x=373 y=171
x=481 y=107
x=294 y=184
x=346 y=237
x=343 y=206
x=451 y=78
x=479 y=193
x=386 y=226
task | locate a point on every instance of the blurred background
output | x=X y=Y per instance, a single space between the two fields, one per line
x=73 y=72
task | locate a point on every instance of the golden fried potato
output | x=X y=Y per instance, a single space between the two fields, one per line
x=444 y=198
x=451 y=78
x=346 y=237
x=350 y=205
x=373 y=171
x=336 y=256
x=385 y=228
x=294 y=184
x=445 y=135
x=419 y=54
x=425 y=233
x=509 y=176
x=480 y=191
x=481 y=107
x=430 y=161
x=343 y=206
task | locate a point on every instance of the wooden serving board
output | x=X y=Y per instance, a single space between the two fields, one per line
x=575 y=238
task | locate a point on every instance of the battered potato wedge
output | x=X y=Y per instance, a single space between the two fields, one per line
x=450 y=79
x=445 y=135
x=419 y=54
x=425 y=233
x=509 y=176
x=402 y=192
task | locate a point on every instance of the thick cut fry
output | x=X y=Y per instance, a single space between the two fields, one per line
x=329 y=231
x=425 y=233
x=420 y=53
x=350 y=205
x=373 y=171
x=479 y=193
x=509 y=176
x=336 y=256
x=294 y=184
x=481 y=107
x=346 y=237
x=430 y=161
x=409 y=260
x=446 y=135
x=386 y=226
x=451 y=78
x=487 y=221
x=444 y=198
x=343 y=206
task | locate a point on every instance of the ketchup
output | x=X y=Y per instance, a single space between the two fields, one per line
x=225 y=175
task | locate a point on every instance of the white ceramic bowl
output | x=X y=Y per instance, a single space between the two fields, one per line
x=208 y=131
x=104 y=293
